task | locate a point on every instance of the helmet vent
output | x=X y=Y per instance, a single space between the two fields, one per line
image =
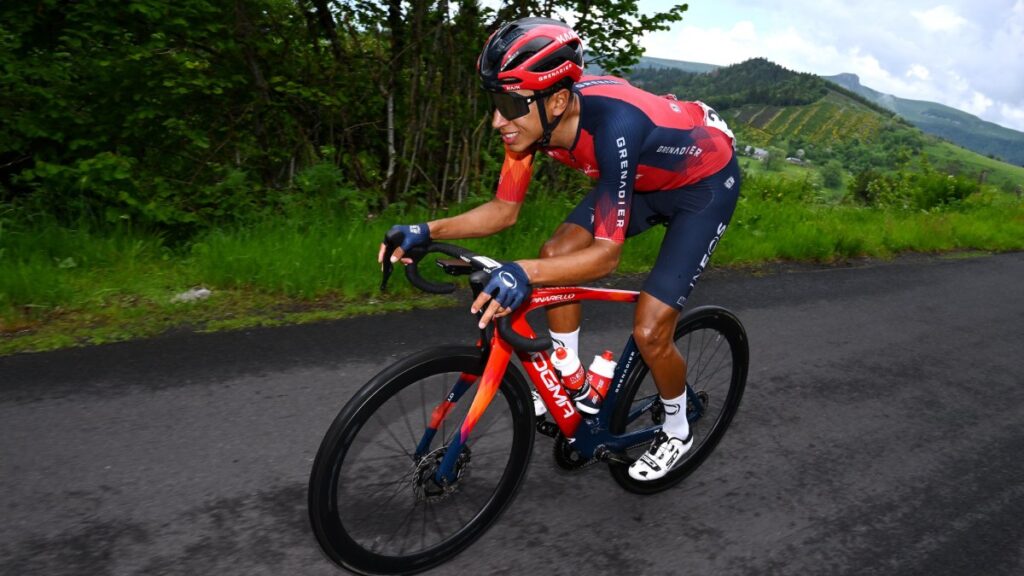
x=529 y=50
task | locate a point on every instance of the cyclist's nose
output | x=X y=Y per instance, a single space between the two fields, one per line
x=497 y=121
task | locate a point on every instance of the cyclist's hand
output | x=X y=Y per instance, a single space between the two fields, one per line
x=415 y=235
x=507 y=289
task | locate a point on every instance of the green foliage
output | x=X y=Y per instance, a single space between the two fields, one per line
x=62 y=286
x=755 y=81
x=611 y=27
x=923 y=190
x=832 y=174
x=198 y=113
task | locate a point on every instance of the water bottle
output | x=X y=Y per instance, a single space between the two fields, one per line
x=599 y=377
x=569 y=367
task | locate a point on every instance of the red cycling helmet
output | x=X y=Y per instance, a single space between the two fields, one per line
x=531 y=54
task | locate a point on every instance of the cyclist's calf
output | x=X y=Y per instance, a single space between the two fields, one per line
x=653 y=331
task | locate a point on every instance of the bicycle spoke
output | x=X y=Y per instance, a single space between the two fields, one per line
x=491 y=452
x=387 y=429
x=388 y=483
x=383 y=500
x=391 y=450
x=405 y=419
x=713 y=354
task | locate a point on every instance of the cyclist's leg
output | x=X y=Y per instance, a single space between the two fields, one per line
x=700 y=216
x=568 y=238
x=576 y=233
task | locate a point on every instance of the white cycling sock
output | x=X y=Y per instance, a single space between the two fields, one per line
x=570 y=340
x=675 y=417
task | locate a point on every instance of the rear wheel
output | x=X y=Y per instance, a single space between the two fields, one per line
x=375 y=506
x=714 y=344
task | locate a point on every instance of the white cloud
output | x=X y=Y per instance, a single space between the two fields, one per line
x=946 y=51
x=1015 y=114
x=978 y=104
x=734 y=45
x=940 y=19
x=918 y=71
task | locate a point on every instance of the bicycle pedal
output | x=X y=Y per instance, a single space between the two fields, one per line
x=546 y=427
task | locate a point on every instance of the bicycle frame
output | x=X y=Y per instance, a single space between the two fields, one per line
x=586 y=433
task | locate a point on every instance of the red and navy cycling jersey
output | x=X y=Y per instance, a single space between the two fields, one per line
x=629 y=140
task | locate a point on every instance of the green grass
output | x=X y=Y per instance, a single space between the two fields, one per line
x=944 y=154
x=62 y=286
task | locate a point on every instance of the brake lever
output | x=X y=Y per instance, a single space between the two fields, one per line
x=392 y=240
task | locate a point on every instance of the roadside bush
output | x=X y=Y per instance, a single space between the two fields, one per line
x=933 y=189
x=921 y=190
x=779 y=188
x=832 y=174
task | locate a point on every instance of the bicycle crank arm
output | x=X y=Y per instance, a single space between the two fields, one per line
x=605 y=455
x=547 y=427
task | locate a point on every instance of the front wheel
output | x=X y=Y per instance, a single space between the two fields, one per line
x=375 y=503
x=714 y=344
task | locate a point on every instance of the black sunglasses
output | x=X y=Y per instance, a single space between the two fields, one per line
x=512 y=105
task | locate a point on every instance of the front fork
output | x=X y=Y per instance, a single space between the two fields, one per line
x=497 y=363
x=441 y=412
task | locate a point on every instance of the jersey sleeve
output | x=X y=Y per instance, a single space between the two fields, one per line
x=617 y=151
x=515 y=176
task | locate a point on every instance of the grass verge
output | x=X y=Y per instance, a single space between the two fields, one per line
x=62 y=286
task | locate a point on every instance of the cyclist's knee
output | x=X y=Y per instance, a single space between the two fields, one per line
x=568 y=238
x=652 y=338
x=551 y=248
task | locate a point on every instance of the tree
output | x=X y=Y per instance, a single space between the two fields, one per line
x=189 y=113
x=832 y=174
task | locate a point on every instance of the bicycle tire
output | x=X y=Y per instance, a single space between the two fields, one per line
x=353 y=531
x=700 y=334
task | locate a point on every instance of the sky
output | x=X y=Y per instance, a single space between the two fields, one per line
x=968 y=54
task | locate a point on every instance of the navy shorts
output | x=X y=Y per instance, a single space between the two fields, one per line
x=697 y=216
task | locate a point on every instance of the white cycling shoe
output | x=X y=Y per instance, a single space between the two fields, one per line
x=538 y=404
x=664 y=454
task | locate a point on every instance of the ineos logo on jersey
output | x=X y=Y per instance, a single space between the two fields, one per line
x=508 y=279
x=707 y=255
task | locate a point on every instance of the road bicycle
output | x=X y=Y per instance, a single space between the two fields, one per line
x=413 y=469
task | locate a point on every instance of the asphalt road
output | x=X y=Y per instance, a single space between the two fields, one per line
x=882 y=432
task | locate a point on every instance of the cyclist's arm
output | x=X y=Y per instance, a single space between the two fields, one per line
x=484 y=220
x=593 y=262
x=499 y=213
x=617 y=150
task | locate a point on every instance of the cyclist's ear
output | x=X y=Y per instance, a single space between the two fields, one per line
x=560 y=101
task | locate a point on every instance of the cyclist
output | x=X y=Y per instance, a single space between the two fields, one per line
x=654 y=159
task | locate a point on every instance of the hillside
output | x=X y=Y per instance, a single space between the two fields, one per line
x=768 y=106
x=664 y=63
x=954 y=125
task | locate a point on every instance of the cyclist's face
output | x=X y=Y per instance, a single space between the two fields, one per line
x=519 y=133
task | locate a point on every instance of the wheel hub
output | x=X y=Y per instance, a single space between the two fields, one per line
x=425 y=484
